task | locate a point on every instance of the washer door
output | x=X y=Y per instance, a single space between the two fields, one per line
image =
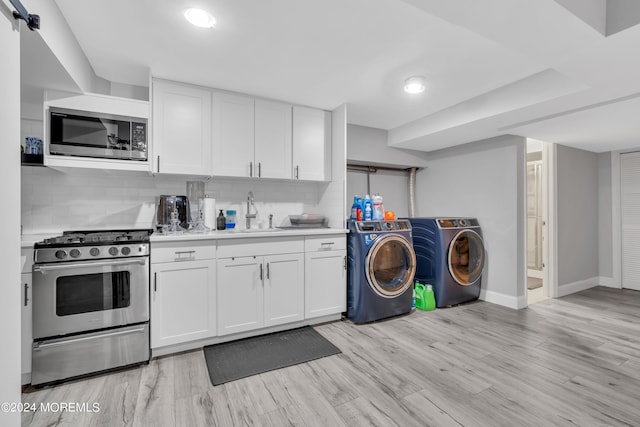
x=466 y=257
x=391 y=265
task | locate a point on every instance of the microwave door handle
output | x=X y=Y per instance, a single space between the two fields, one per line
x=67 y=265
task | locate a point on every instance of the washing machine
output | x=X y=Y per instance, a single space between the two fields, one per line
x=381 y=267
x=450 y=255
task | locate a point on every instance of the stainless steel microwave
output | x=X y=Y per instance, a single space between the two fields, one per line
x=89 y=134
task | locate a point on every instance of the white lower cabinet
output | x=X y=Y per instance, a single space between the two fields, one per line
x=26 y=326
x=325 y=276
x=183 y=299
x=257 y=290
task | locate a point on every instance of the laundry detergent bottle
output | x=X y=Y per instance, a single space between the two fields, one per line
x=367 y=208
x=356 y=209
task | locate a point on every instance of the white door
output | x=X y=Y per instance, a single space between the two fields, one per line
x=233 y=134
x=182 y=302
x=240 y=294
x=272 y=140
x=630 y=221
x=181 y=129
x=325 y=283
x=283 y=289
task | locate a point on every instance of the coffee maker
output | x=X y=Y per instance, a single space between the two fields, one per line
x=166 y=205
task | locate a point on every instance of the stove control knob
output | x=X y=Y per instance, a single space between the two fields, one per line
x=75 y=253
x=60 y=254
x=113 y=251
x=94 y=251
x=126 y=250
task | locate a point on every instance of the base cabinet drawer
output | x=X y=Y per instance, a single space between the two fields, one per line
x=182 y=251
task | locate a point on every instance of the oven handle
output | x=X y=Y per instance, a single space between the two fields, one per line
x=67 y=265
x=53 y=343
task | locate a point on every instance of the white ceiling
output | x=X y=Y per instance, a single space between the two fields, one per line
x=522 y=67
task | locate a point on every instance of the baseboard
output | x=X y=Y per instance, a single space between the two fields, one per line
x=609 y=282
x=580 y=285
x=503 y=299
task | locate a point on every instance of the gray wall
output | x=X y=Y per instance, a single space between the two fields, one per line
x=486 y=180
x=369 y=146
x=577 y=209
x=605 y=221
x=391 y=185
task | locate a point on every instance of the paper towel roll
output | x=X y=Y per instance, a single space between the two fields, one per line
x=209 y=212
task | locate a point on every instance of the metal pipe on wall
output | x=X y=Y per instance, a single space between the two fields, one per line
x=412 y=192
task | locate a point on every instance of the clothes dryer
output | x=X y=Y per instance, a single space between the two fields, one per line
x=450 y=255
x=382 y=265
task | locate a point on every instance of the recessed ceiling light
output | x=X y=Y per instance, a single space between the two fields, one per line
x=200 y=18
x=414 y=84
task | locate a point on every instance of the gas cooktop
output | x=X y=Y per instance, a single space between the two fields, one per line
x=92 y=245
x=95 y=238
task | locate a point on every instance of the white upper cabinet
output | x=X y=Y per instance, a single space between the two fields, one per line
x=272 y=140
x=251 y=138
x=181 y=129
x=311 y=144
x=233 y=134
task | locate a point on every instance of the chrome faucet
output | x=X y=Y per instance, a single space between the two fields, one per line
x=250 y=215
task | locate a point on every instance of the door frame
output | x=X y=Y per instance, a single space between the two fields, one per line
x=616 y=220
x=549 y=220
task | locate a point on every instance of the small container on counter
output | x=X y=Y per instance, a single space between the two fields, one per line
x=231 y=218
x=221 y=221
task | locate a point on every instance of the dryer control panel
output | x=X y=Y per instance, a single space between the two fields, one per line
x=381 y=226
x=457 y=222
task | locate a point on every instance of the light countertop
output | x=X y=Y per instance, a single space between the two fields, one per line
x=243 y=234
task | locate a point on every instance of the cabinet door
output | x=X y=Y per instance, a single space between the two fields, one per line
x=240 y=294
x=181 y=129
x=273 y=140
x=26 y=326
x=233 y=129
x=311 y=144
x=325 y=283
x=283 y=289
x=182 y=302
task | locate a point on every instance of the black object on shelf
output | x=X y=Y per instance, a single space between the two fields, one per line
x=32 y=159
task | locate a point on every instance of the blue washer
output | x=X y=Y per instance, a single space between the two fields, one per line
x=382 y=265
x=450 y=255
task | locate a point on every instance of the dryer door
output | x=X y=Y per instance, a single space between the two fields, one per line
x=466 y=257
x=391 y=265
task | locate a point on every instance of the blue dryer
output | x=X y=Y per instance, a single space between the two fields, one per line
x=450 y=255
x=382 y=265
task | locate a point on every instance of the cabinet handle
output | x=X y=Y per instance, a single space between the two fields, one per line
x=26 y=294
x=327 y=245
x=155 y=282
x=297 y=170
x=345 y=262
x=158 y=163
x=268 y=274
x=250 y=168
x=259 y=169
x=261 y=278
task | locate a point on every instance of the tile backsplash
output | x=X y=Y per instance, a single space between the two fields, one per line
x=53 y=201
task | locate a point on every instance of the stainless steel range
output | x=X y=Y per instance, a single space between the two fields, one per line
x=90 y=303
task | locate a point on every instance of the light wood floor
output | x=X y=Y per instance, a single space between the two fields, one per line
x=566 y=362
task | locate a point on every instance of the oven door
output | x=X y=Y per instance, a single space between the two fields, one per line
x=83 y=296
